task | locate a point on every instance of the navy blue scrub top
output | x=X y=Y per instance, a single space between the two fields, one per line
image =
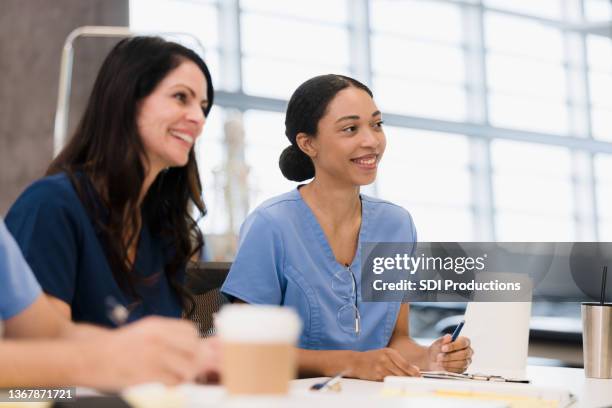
x=59 y=241
x=284 y=259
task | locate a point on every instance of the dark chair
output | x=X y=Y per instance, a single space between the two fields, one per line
x=204 y=280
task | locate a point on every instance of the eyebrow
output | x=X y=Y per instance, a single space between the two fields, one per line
x=355 y=117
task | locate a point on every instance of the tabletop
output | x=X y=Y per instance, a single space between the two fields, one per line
x=360 y=393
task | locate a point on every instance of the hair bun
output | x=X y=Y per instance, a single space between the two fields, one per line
x=295 y=164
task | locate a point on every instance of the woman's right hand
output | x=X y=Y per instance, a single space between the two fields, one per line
x=377 y=364
x=154 y=349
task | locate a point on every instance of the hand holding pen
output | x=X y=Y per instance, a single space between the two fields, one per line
x=450 y=352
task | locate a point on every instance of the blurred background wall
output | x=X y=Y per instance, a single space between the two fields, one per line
x=32 y=33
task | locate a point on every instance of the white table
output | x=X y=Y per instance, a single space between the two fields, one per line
x=360 y=393
x=590 y=392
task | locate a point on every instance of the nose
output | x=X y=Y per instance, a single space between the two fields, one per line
x=371 y=138
x=196 y=115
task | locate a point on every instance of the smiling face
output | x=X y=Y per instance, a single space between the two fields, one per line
x=350 y=140
x=171 y=118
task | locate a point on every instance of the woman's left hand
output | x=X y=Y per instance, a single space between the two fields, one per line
x=447 y=355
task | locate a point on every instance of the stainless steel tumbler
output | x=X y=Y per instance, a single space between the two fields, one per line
x=597 y=339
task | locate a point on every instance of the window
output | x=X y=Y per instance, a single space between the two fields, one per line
x=603 y=175
x=417 y=59
x=198 y=19
x=433 y=184
x=265 y=140
x=600 y=83
x=284 y=44
x=533 y=192
x=525 y=74
x=461 y=104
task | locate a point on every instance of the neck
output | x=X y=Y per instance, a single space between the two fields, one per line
x=335 y=201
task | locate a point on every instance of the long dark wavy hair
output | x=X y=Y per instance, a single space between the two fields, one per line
x=105 y=154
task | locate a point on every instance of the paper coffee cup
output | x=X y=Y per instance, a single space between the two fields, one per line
x=258 y=348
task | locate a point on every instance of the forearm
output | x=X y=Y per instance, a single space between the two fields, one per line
x=41 y=363
x=411 y=350
x=325 y=363
x=82 y=331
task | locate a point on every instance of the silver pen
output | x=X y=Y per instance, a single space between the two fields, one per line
x=116 y=312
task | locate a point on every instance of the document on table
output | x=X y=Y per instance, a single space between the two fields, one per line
x=515 y=395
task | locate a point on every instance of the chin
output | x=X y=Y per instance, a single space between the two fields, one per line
x=178 y=162
x=364 y=181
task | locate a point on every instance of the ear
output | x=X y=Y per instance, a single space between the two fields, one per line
x=307 y=144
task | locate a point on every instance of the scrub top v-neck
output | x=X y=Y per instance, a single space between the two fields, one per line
x=65 y=251
x=285 y=259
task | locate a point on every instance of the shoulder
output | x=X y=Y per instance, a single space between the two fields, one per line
x=51 y=190
x=386 y=209
x=278 y=208
x=48 y=201
x=392 y=221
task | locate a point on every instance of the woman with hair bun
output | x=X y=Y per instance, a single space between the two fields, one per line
x=300 y=249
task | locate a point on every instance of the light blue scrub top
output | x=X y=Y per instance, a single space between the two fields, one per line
x=18 y=286
x=284 y=259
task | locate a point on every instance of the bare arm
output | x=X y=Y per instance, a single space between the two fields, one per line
x=402 y=342
x=326 y=363
x=48 y=317
x=367 y=365
x=153 y=349
x=38 y=320
x=40 y=363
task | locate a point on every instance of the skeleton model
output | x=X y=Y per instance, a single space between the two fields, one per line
x=232 y=178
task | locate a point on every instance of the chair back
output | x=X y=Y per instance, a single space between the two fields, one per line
x=204 y=280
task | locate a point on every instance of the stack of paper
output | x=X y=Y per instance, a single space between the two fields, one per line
x=515 y=395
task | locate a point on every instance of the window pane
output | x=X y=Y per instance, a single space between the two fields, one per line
x=274 y=78
x=597 y=10
x=210 y=155
x=603 y=177
x=601 y=122
x=524 y=159
x=335 y=10
x=301 y=52
x=419 y=98
x=440 y=223
x=197 y=18
x=542 y=8
x=519 y=36
x=431 y=182
x=599 y=52
x=540 y=115
x=600 y=87
x=533 y=228
x=265 y=140
x=294 y=40
x=395 y=56
x=533 y=199
x=417 y=19
x=526 y=77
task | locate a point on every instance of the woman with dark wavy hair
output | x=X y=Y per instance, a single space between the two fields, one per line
x=110 y=223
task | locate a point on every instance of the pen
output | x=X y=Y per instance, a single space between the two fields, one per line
x=457 y=330
x=329 y=383
x=116 y=312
